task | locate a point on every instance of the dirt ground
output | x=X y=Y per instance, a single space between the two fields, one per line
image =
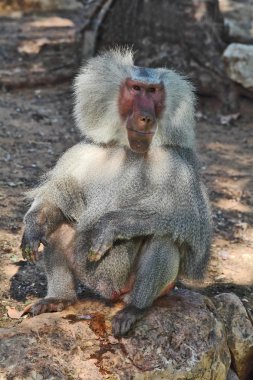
x=37 y=127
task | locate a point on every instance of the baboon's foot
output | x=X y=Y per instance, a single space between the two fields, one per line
x=125 y=319
x=49 y=305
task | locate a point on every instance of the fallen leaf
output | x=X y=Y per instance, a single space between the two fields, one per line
x=13 y=313
x=16 y=314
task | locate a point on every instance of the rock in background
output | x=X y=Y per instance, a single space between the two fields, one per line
x=238 y=17
x=238 y=59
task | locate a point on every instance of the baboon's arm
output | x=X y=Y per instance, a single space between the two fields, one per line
x=40 y=221
x=124 y=224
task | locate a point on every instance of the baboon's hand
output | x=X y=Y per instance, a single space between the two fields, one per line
x=102 y=240
x=30 y=243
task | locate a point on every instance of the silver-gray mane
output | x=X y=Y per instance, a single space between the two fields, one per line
x=96 y=100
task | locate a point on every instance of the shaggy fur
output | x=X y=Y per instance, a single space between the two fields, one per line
x=151 y=209
x=97 y=114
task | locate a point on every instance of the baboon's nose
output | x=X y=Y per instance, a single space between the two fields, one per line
x=145 y=120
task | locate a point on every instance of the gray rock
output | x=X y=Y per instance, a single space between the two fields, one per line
x=232 y=375
x=238 y=17
x=238 y=59
x=239 y=332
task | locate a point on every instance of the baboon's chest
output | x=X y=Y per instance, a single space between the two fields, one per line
x=121 y=181
x=110 y=188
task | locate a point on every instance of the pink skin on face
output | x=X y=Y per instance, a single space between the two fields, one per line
x=141 y=104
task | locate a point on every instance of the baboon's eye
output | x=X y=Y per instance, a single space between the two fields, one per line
x=151 y=89
x=136 y=88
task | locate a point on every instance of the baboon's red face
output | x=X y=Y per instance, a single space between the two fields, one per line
x=141 y=104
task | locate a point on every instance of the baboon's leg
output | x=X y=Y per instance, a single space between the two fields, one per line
x=109 y=277
x=60 y=278
x=158 y=267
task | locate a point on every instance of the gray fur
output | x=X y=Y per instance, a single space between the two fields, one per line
x=153 y=209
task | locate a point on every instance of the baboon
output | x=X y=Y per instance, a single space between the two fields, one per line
x=125 y=210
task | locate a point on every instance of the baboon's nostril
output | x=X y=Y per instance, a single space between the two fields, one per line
x=146 y=119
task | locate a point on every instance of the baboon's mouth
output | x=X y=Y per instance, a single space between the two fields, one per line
x=140 y=132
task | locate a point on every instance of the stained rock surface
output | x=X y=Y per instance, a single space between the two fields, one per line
x=180 y=338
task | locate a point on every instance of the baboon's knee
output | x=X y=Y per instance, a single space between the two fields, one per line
x=62 y=242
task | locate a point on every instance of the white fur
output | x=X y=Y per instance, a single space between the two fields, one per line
x=96 y=101
x=97 y=90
